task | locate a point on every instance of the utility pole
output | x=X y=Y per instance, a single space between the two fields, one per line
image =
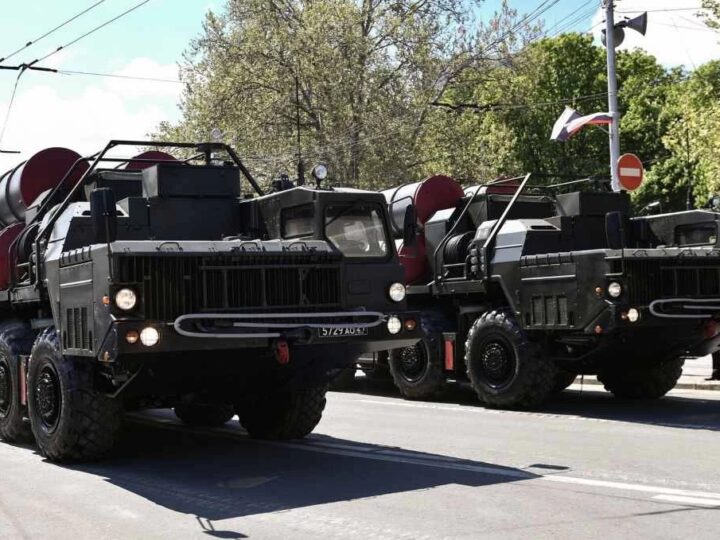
x=612 y=93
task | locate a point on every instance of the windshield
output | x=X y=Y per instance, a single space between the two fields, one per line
x=357 y=230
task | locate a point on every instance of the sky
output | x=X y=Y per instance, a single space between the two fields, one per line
x=84 y=112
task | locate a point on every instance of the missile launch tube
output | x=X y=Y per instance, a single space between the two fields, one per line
x=20 y=186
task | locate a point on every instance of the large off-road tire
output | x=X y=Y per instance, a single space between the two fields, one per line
x=282 y=415
x=70 y=420
x=642 y=379
x=505 y=369
x=205 y=414
x=417 y=371
x=563 y=379
x=15 y=339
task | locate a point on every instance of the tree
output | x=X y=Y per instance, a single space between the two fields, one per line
x=691 y=135
x=516 y=105
x=712 y=19
x=366 y=73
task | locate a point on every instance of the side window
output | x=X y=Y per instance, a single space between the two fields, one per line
x=298 y=221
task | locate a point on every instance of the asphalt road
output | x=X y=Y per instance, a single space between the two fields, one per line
x=587 y=466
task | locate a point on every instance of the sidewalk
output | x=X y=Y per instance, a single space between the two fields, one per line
x=695 y=371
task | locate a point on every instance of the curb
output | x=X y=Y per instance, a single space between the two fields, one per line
x=708 y=385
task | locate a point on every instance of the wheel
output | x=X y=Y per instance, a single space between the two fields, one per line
x=70 y=420
x=282 y=415
x=417 y=371
x=205 y=414
x=15 y=339
x=644 y=379
x=563 y=379
x=504 y=368
x=345 y=380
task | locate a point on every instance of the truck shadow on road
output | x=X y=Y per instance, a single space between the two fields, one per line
x=223 y=474
x=673 y=411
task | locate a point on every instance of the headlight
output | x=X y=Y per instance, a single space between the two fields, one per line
x=633 y=315
x=396 y=292
x=125 y=299
x=149 y=336
x=394 y=325
x=614 y=289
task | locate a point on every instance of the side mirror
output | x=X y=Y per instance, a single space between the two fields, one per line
x=409 y=225
x=104 y=215
x=654 y=207
x=615 y=230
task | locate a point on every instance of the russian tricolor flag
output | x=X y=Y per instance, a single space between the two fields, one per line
x=570 y=122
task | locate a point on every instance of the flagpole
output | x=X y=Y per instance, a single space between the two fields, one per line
x=612 y=93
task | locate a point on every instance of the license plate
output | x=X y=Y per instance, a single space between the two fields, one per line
x=341 y=332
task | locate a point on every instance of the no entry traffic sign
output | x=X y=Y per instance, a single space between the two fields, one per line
x=630 y=171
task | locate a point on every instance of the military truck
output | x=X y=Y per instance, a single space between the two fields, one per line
x=523 y=289
x=146 y=282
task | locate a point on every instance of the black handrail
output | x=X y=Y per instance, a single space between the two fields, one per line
x=490 y=240
x=206 y=150
x=448 y=235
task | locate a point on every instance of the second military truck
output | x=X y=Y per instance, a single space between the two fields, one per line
x=520 y=291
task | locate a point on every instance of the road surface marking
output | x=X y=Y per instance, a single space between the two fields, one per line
x=675 y=492
x=693 y=501
x=558 y=415
x=246 y=483
x=398 y=455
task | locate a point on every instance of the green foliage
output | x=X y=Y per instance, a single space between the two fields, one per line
x=512 y=134
x=392 y=90
x=366 y=72
x=690 y=134
x=713 y=19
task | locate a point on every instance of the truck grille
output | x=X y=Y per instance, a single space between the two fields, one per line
x=654 y=279
x=173 y=285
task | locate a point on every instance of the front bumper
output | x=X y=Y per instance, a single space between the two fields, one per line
x=695 y=332
x=357 y=332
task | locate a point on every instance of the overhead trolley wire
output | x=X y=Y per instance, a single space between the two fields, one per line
x=561 y=24
x=46 y=34
x=10 y=105
x=117 y=76
x=90 y=32
x=22 y=68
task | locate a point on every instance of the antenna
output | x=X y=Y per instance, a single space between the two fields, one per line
x=300 y=164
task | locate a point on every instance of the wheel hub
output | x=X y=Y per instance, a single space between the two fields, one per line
x=496 y=363
x=47 y=391
x=413 y=361
x=5 y=389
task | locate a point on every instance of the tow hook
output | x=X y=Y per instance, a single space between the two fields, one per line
x=282 y=352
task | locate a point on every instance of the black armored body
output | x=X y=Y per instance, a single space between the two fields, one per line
x=522 y=292
x=161 y=284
